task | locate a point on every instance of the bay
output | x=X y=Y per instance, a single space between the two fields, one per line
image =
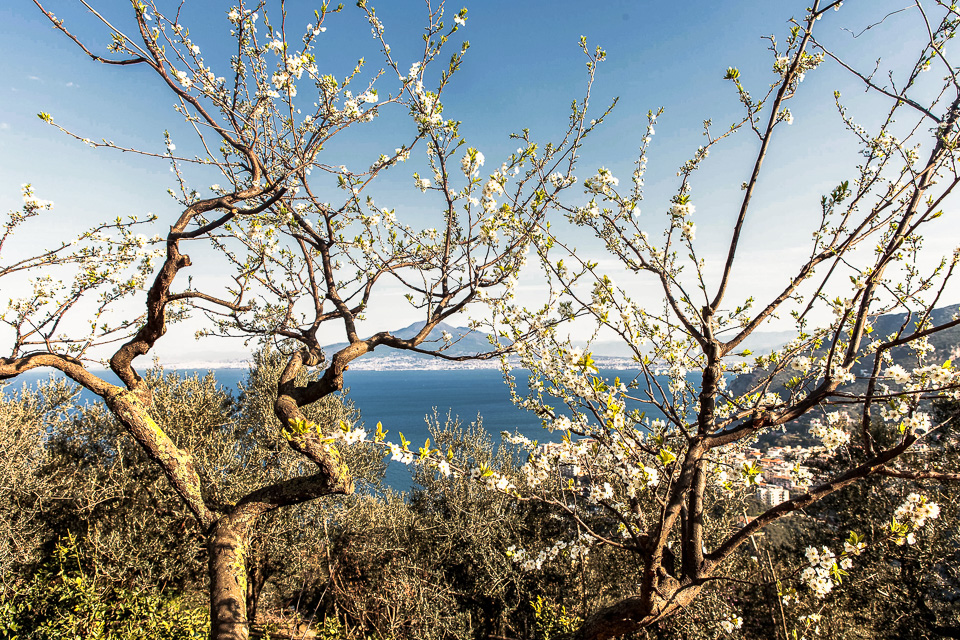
x=402 y=401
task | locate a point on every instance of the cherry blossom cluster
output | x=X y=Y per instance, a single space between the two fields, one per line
x=352 y=436
x=807 y=62
x=570 y=372
x=826 y=568
x=811 y=621
x=911 y=516
x=940 y=376
x=31 y=203
x=832 y=434
x=731 y=623
x=571 y=551
x=817 y=576
x=561 y=181
x=602 y=183
x=904 y=409
x=400 y=454
x=682 y=209
x=800 y=475
x=471 y=162
x=491 y=479
x=803 y=364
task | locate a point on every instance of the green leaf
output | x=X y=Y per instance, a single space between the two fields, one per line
x=666 y=456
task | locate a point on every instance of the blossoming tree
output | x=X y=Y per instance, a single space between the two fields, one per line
x=292 y=260
x=654 y=490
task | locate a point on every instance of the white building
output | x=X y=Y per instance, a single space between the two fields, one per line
x=771 y=495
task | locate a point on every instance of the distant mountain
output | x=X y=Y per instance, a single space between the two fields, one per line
x=944 y=342
x=465 y=341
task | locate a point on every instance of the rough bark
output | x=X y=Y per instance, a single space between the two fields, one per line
x=228 y=543
x=176 y=464
x=637 y=612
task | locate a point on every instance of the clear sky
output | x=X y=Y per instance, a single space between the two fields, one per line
x=523 y=69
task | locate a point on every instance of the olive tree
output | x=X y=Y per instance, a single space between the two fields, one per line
x=290 y=261
x=24 y=453
x=73 y=471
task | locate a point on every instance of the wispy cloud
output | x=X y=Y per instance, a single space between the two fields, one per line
x=34 y=78
x=72 y=84
x=4 y=126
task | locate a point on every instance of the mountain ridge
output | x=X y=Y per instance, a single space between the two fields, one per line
x=465 y=342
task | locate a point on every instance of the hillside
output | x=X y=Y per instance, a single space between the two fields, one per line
x=944 y=343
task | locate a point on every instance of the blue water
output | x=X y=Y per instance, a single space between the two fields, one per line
x=402 y=399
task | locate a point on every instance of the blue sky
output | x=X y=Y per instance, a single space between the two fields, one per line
x=523 y=69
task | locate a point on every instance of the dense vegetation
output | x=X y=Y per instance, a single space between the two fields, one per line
x=96 y=545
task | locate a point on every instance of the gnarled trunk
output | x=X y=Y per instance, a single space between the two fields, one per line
x=227 y=549
x=228 y=545
x=635 y=613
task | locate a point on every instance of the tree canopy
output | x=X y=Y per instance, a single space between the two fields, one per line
x=655 y=472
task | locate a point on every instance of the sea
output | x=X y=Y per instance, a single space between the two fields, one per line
x=403 y=400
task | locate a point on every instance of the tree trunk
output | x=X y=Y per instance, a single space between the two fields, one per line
x=256 y=578
x=227 y=551
x=635 y=613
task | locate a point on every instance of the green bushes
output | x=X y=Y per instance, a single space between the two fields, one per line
x=96 y=546
x=110 y=544
x=553 y=620
x=69 y=472
x=67 y=598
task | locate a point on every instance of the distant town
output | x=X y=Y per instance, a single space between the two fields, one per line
x=407 y=362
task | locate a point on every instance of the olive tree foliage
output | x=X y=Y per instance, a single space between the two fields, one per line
x=429 y=564
x=295 y=260
x=646 y=487
x=23 y=452
x=78 y=480
x=434 y=563
x=100 y=535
